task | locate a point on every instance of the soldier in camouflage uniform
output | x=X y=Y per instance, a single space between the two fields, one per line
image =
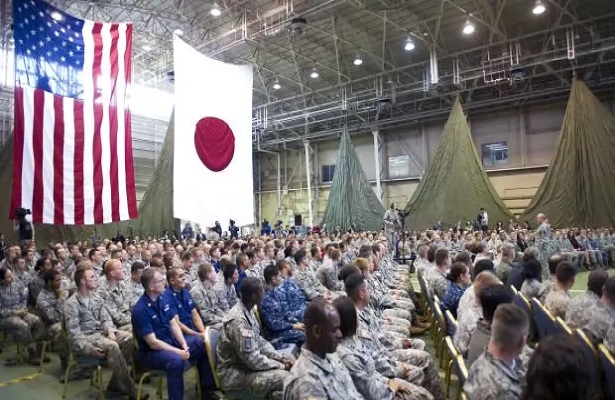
x=246 y=361
x=116 y=295
x=225 y=286
x=576 y=314
x=420 y=368
x=209 y=302
x=50 y=304
x=307 y=280
x=319 y=373
x=562 y=245
x=542 y=241
x=136 y=288
x=361 y=365
x=602 y=316
x=295 y=299
x=495 y=374
x=281 y=327
x=14 y=316
x=91 y=331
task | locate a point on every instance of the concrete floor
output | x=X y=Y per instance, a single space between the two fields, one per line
x=23 y=382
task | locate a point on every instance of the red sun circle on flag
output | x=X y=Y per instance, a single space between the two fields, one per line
x=214 y=142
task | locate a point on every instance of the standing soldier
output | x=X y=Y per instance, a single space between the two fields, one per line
x=543 y=240
x=391 y=222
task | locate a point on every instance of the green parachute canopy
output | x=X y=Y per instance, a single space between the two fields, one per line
x=155 y=210
x=455 y=184
x=352 y=200
x=578 y=189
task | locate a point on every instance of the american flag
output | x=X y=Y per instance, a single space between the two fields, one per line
x=73 y=148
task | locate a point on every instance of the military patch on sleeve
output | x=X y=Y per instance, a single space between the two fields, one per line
x=246 y=333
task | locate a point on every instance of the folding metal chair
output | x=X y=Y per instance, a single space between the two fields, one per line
x=608 y=366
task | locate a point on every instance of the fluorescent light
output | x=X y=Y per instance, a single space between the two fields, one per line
x=314 y=74
x=215 y=11
x=357 y=61
x=409 y=46
x=468 y=28
x=539 y=8
x=147 y=47
x=276 y=85
x=178 y=32
x=57 y=16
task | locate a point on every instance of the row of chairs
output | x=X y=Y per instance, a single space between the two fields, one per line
x=600 y=361
x=443 y=329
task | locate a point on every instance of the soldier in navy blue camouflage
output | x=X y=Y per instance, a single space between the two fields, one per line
x=15 y=319
x=295 y=299
x=280 y=326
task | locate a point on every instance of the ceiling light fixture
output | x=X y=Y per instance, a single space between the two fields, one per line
x=409 y=46
x=276 y=85
x=57 y=16
x=357 y=60
x=314 y=74
x=539 y=8
x=468 y=28
x=178 y=32
x=215 y=11
x=147 y=47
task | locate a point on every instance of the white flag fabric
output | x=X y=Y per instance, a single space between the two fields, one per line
x=212 y=169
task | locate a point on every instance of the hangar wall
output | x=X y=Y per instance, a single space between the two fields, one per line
x=529 y=135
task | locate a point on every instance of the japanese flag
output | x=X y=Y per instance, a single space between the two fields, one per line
x=212 y=169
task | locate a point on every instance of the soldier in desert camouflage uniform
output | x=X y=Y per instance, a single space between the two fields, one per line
x=91 y=331
x=495 y=374
x=246 y=360
x=361 y=365
x=319 y=372
x=14 y=316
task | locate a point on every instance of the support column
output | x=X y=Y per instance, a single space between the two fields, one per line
x=522 y=136
x=279 y=184
x=377 y=165
x=308 y=175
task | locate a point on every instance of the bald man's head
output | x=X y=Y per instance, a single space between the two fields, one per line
x=322 y=327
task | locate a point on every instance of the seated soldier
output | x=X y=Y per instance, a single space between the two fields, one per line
x=362 y=366
x=225 y=287
x=295 y=299
x=495 y=374
x=50 y=304
x=14 y=316
x=136 y=289
x=558 y=298
x=327 y=271
x=116 y=295
x=192 y=275
x=209 y=302
x=246 y=360
x=279 y=325
x=306 y=278
x=179 y=298
x=602 y=316
x=162 y=346
x=576 y=313
x=91 y=331
x=319 y=373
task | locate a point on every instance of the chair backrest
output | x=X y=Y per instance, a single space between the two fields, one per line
x=562 y=327
x=591 y=355
x=608 y=366
x=521 y=301
x=451 y=322
x=450 y=347
x=426 y=292
x=544 y=320
x=439 y=314
x=461 y=370
x=211 y=347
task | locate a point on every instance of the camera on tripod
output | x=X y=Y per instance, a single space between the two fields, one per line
x=22 y=212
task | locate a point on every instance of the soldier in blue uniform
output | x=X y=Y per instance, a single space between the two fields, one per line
x=281 y=326
x=180 y=299
x=162 y=346
x=295 y=299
